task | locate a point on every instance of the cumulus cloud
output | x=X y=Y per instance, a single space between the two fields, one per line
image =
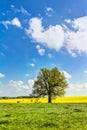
x=76 y=38
x=67 y=75
x=72 y=35
x=14 y=22
x=41 y=51
x=53 y=37
x=31 y=83
x=2 y=75
x=20 y=86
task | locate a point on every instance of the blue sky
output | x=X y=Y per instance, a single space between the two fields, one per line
x=38 y=34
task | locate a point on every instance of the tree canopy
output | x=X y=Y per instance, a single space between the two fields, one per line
x=50 y=82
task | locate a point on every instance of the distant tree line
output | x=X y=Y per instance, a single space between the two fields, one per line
x=7 y=97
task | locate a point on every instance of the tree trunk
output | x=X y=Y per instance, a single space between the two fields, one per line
x=49 y=97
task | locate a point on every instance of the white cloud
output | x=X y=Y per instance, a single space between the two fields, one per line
x=30 y=83
x=53 y=37
x=15 y=83
x=72 y=36
x=49 y=11
x=32 y=64
x=73 y=54
x=20 y=86
x=78 y=86
x=77 y=89
x=67 y=20
x=2 y=75
x=76 y=39
x=14 y=22
x=5 y=23
x=41 y=51
x=67 y=75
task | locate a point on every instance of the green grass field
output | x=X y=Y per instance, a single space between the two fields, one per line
x=39 y=116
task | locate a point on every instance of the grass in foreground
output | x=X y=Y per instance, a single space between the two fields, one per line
x=39 y=116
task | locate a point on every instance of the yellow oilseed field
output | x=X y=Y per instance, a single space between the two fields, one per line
x=71 y=99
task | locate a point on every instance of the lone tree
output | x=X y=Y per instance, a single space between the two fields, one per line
x=51 y=83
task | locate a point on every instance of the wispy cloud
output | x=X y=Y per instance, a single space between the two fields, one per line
x=27 y=75
x=67 y=75
x=77 y=89
x=21 y=10
x=32 y=64
x=2 y=75
x=12 y=6
x=2 y=54
x=24 y=11
x=78 y=86
x=3 y=13
x=49 y=11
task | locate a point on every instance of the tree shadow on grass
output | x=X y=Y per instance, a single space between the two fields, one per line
x=4 y=122
x=50 y=124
